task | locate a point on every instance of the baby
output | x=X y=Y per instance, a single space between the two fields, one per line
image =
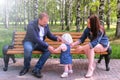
x=65 y=56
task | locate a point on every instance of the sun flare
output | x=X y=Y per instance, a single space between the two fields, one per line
x=2 y=2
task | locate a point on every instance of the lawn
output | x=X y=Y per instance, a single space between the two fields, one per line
x=6 y=37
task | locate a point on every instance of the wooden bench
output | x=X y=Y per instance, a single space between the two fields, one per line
x=16 y=47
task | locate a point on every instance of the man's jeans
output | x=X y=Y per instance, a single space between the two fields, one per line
x=28 y=48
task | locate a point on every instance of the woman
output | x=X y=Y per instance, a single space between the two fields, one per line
x=98 y=42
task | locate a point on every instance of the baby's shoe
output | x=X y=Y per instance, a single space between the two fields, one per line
x=70 y=71
x=65 y=74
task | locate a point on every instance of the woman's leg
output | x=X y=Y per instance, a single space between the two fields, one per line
x=90 y=55
x=100 y=48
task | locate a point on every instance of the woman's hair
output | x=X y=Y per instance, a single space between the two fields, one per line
x=95 y=26
x=67 y=38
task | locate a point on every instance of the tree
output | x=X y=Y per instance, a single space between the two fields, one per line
x=78 y=17
x=52 y=9
x=101 y=12
x=45 y=5
x=25 y=14
x=35 y=9
x=6 y=14
x=108 y=15
x=68 y=13
x=117 y=35
x=62 y=11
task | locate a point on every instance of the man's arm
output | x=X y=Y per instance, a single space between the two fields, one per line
x=50 y=35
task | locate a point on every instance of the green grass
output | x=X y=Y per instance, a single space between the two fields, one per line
x=6 y=37
x=115 y=49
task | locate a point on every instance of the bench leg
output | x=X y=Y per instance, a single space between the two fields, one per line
x=6 y=57
x=100 y=58
x=13 y=58
x=107 y=60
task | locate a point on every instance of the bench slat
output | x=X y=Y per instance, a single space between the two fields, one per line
x=55 y=33
x=38 y=52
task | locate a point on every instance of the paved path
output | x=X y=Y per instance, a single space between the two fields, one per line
x=52 y=70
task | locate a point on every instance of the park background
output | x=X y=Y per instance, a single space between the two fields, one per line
x=65 y=16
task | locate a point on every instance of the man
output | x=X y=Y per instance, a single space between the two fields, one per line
x=37 y=31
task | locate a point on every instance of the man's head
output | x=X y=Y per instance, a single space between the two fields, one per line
x=43 y=19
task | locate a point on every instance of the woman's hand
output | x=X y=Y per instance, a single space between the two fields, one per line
x=79 y=49
x=74 y=43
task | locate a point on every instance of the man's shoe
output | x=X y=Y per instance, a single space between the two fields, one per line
x=37 y=73
x=23 y=71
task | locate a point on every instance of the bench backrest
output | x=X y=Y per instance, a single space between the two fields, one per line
x=19 y=36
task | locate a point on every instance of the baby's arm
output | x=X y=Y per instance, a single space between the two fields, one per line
x=61 y=47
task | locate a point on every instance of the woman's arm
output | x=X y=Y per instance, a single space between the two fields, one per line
x=82 y=38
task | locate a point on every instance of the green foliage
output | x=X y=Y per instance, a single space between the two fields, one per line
x=113 y=9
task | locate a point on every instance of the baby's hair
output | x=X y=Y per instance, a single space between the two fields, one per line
x=67 y=38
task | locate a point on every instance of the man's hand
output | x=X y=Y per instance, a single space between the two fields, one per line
x=59 y=39
x=51 y=49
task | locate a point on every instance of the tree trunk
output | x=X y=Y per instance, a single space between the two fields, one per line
x=69 y=14
x=88 y=10
x=35 y=9
x=16 y=14
x=25 y=15
x=45 y=6
x=101 y=12
x=66 y=12
x=117 y=35
x=108 y=15
x=62 y=13
x=20 y=10
x=83 y=18
x=78 y=17
x=6 y=14
x=31 y=9
x=28 y=10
